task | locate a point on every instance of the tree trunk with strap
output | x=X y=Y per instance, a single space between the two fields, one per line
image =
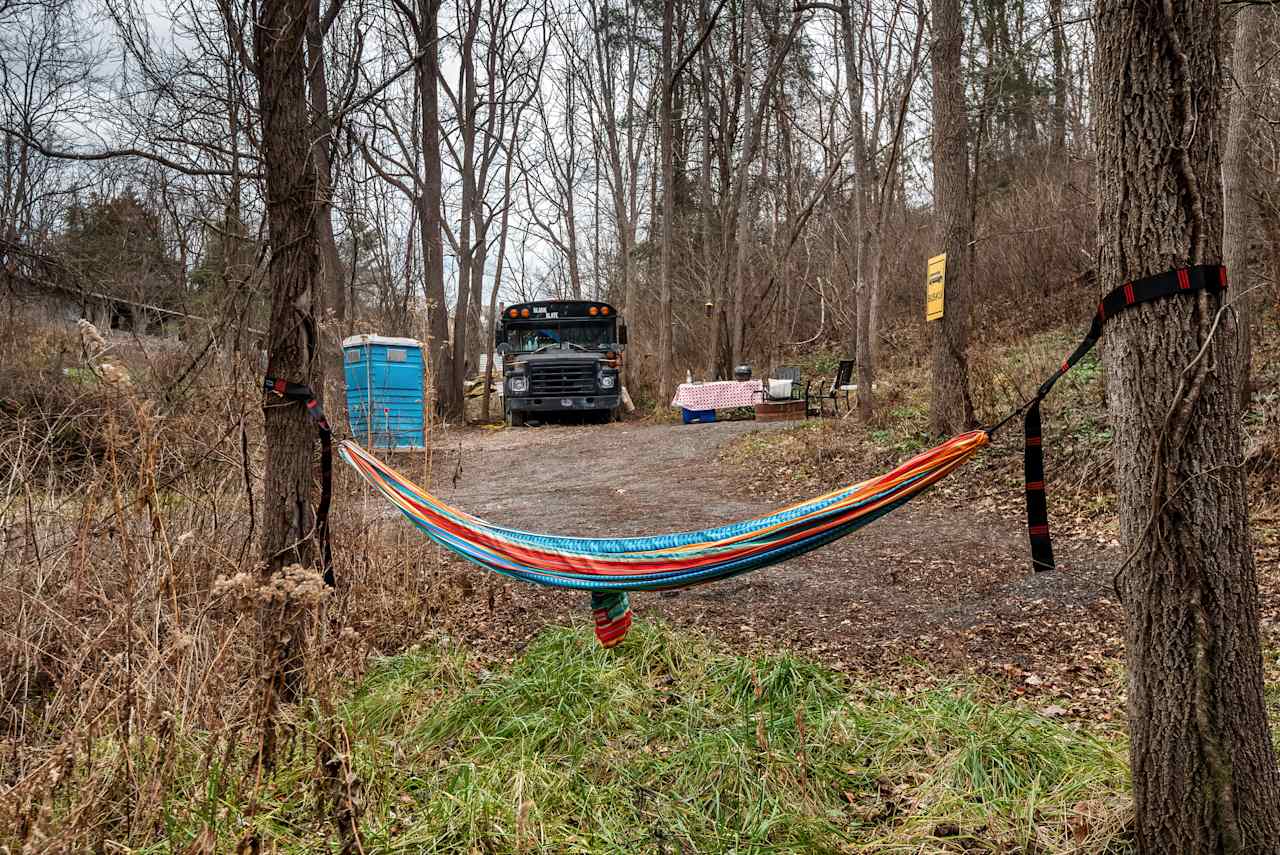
x=1204 y=772
x=288 y=519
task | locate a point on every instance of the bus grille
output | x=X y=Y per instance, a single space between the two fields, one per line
x=562 y=378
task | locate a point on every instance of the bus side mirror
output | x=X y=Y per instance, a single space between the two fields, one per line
x=622 y=333
x=499 y=337
x=503 y=348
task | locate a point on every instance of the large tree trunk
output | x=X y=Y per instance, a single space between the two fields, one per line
x=1204 y=772
x=1237 y=214
x=288 y=520
x=950 y=408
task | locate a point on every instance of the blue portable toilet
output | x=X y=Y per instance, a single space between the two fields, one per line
x=384 y=391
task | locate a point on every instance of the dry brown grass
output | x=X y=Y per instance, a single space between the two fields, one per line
x=132 y=615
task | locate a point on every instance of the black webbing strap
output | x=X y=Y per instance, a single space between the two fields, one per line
x=1187 y=280
x=303 y=394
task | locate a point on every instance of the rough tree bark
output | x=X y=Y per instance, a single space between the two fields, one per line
x=1237 y=214
x=950 y=408
x=1204 y=772
x=288 y=520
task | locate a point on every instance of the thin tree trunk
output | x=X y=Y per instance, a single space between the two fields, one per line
x=1237 y=175
x=1204 y=772
x=623 y=182
x=743 y=224
x=430 y=208
x=753 y=116
x=882 y=203
x=502 y=261
x=322 y=139
x=710 y=276
x=479 y=257
x=462 y=312
x=571 y=238
x=1059 y=118
x=950 y=408
x=854 y=93
x=665 y=355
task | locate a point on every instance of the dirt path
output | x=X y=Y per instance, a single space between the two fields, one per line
x=942 y=581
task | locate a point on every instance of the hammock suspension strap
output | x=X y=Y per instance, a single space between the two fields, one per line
x=612 y=613
x=1183 y=281
x=298 y=393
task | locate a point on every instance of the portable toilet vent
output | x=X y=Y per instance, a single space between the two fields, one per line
x=384 y=391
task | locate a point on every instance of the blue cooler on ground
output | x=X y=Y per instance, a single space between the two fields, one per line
x=692 y=416
x=385 y=391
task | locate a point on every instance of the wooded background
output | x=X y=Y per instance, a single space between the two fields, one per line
x=747 y=181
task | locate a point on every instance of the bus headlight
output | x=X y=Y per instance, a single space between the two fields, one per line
x=608 y=381
x=518 y=383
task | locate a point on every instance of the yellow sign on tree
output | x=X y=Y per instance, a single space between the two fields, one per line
x=935 y=287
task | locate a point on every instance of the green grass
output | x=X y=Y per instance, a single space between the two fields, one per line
x=670 y=744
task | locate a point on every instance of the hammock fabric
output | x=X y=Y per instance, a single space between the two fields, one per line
x=609 y=567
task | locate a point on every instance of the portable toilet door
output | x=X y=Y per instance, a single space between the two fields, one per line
x=385 y=391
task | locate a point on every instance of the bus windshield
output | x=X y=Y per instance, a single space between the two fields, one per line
x=526 y=339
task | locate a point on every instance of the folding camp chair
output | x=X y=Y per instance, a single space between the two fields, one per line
x=840 y=389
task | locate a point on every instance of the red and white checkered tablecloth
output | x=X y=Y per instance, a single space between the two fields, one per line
x=718 y=396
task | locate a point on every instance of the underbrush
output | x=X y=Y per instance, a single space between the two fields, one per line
x=665 y=744
x=135 y=613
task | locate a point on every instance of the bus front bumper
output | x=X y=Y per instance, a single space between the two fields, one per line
x=530 y=404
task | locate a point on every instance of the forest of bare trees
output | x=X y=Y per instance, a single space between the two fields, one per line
x=756 y=183
x=740 y=180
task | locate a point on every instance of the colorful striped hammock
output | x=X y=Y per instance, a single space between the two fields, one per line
x=611 y=567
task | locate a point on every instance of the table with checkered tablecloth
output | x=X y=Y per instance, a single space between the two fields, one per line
x=721 y=395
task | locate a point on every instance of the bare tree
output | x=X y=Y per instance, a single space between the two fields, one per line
x=666 y=132
x=47 y=68
x=412 y=163
x=553 y=161
x=288 y=523
x=622 y=113
x=950 y=408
